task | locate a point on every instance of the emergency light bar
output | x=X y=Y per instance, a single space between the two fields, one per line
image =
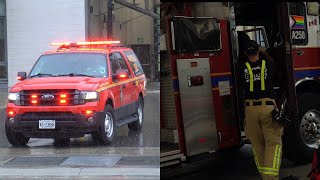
x=85 y=43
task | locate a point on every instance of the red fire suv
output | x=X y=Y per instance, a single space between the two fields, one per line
x=80 y=88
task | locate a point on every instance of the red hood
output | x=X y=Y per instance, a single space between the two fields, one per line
x=79 y=83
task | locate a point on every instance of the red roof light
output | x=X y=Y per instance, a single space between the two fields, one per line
x=85 y=43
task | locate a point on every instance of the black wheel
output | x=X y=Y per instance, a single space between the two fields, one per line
x=15 y=138
x=137 y=125
x=107 y=128
x=301 y=139
x=61 y=142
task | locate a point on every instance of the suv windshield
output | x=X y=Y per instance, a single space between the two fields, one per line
x=71 y=64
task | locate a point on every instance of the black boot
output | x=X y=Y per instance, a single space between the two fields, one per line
x=290 y=178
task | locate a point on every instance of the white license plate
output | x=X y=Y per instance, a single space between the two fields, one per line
x=47 y=124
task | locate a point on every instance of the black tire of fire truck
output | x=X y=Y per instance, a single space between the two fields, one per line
x=137 y=125
x=15 y=138
x=100 y=137
x=293 y=146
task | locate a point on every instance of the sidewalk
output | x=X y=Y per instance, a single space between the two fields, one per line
x=153 y=87
x=80 y=166
x=80 y=173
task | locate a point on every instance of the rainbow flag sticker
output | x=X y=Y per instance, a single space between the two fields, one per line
x=297 y=22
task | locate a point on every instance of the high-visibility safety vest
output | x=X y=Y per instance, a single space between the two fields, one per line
x=263 y=67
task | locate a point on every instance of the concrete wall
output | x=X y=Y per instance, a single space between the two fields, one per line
x=32 y=25
x=210 y=9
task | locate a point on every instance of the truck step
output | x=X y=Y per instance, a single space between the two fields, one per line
x=127 y=120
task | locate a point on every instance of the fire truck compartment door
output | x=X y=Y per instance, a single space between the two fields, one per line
x=197 y=105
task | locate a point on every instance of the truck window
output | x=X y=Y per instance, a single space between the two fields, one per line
x=195 y=34
x=114 y=63
x=92 y=64
x=134 y=62
x=122 y=63
x=257 y=33
x=298 y=23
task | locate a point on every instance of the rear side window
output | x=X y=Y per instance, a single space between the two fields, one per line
x=134 y=62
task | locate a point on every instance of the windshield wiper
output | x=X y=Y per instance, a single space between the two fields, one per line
x=42 y=74
x=75 y=74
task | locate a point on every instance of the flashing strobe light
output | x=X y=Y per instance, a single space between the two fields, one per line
x=18 y=78
x=85 y=43
x=34 y=96
x=88 y=112
x=123 y=75
x=34 y=102
x=63 y=95
x=63 y=101
x=10 y=112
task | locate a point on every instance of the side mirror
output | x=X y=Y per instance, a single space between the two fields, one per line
x=122 y=74
x=21 y=76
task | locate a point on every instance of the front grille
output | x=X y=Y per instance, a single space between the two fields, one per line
x=49 y=97
x=34 y=116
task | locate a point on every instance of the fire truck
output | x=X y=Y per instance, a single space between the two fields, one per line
x=201 y=46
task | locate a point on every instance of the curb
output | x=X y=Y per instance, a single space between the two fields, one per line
x=78 y=172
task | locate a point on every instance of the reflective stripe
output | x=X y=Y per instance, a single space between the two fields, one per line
x=263 y=67
x=255 y=158
x=276 y=163
x=278 y=157
x=275 y=156
x=269 y=171
x=250 y=75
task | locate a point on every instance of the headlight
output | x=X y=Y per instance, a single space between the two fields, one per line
x=90 y=95
x=13 y=96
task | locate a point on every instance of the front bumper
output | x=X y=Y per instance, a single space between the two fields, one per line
x=70 y=121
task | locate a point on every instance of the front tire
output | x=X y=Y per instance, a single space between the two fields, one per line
x=15 y=138
x=107 y=128
x=137 y=125
x=300 y=139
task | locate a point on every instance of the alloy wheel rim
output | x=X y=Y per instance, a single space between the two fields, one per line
x=310 y=129
x=108 y=124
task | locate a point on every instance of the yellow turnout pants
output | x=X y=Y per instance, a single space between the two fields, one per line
x=265 y=137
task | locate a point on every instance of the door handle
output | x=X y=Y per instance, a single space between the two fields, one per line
x=299 y=52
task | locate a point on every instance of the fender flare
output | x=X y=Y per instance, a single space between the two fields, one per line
x=301 y=84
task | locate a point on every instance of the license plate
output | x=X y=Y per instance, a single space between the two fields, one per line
x=47 y=124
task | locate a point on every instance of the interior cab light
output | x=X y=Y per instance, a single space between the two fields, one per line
x=63 y=101
x=34 y=102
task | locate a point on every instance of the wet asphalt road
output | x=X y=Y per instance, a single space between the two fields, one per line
x=149 y=136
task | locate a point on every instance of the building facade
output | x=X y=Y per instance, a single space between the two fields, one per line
x=27 y=28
